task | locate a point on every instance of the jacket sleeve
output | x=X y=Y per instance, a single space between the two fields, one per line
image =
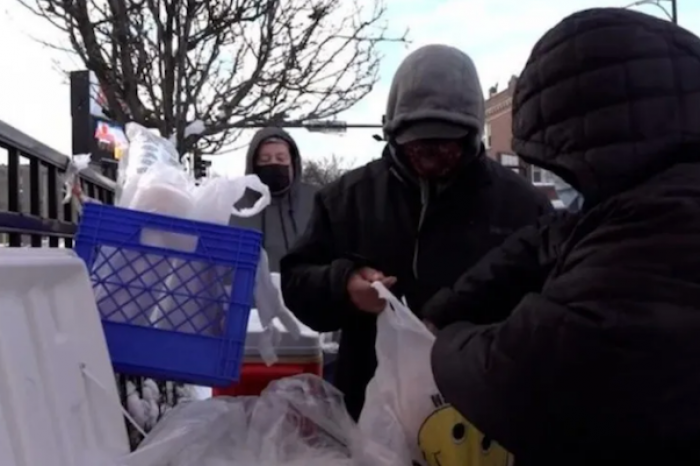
x=498 y=375
x=547 y=376
x=489 y=291
x=314 y=277
x=546 y=206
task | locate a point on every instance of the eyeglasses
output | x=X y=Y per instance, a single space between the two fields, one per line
x=427 y=148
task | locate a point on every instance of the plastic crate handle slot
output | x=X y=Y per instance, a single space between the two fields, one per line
x=157 y=238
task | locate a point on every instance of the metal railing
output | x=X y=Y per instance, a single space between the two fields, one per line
x=31 y=192
x=32 y=214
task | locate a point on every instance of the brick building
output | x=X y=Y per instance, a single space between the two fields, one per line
x=497 y=137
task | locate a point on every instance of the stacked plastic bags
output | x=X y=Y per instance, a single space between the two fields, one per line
x=298 y=421
x=152 y=179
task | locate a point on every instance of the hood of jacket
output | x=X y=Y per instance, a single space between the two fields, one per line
x=435 y=82
x=609 y=98
x=265 y=134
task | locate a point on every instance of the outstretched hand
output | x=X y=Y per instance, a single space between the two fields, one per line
x=363 y=296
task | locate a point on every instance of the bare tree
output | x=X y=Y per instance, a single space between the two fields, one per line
x=324 y=171
x=229 y=63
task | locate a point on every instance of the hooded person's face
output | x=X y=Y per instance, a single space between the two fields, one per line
x=433 y=159
x=274 y=165
x=435 y=103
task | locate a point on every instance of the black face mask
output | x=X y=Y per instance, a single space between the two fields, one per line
x=276 y=177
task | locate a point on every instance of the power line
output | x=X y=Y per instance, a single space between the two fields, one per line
x=672 y=15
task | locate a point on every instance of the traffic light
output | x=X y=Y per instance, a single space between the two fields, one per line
x=201 y=167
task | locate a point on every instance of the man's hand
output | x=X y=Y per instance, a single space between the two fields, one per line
x=363 y=296
x=430 y=326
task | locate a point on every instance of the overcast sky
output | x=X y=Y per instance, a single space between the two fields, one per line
x=498 y=34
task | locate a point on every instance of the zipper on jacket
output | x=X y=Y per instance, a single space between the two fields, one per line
x=284 y=228
x=424 y=201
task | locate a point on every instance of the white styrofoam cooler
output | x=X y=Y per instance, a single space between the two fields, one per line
x=308 y=345
x=294 y=355
x=51 y=412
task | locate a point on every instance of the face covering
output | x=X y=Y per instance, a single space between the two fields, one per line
x=572 y=199
x=433 y=160
x=276 y=177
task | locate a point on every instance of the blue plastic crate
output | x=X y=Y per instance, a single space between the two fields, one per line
x=174 y=295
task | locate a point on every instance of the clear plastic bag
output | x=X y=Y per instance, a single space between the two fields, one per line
x=145 y=149
x=270 y=306
x=71 y=179
x=297 y=421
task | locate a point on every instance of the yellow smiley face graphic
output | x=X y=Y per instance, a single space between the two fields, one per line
x=447 y=439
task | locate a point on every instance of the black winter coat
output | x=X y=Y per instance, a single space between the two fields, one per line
x=488 y=292
x=597 y=360
x=371 y=217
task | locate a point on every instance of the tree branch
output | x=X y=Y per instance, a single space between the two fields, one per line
x=164 y=63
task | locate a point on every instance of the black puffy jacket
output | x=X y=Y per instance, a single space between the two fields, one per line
x=598 y=364
x=489 y=291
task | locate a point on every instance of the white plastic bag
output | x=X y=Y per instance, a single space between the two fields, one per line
x=71 y=180
x=404 y=406
x=213 y=201
x=270 y=305
x=145 y=149
x=298 y=421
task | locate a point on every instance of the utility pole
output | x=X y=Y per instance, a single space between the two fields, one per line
x=674 y=12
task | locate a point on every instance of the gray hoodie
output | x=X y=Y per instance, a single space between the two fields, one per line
x=435 y=83
x=286 y=217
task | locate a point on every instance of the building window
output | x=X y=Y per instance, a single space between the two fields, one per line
x=540 y=176
x=510 y=160
x=487 y=135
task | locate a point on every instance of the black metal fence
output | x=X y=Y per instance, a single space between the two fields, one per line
x=32 y=214
x=31 y=192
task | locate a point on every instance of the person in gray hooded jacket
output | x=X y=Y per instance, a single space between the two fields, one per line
x=274 y=157
x=415 y=219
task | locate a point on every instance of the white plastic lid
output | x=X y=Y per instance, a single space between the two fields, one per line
x=309 y=344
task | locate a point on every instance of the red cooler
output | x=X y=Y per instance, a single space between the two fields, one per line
x=302 y=356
